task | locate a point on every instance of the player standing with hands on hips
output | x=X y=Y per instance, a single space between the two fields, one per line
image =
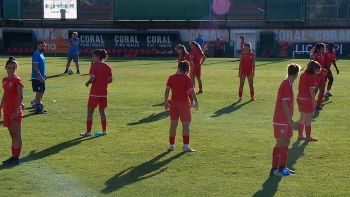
x=246 y=69
x=100 y=76
x=73 y=52
x=13 y=112
x=39 y=75
x=283 y=122
x=181 y=85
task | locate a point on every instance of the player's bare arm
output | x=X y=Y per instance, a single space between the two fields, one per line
x=203 y=59
x=36 y=69
x=19 y=102
x=166 y=96
x=254 y=67
x=110 y=79
x=335 y=66
x=1 y=106
x=193 y=94
x=240 y=67
x=90 y=81
x=287 y=112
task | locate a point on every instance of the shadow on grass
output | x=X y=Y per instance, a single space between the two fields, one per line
x=152 y=118
x=229 y=109
x=317 y=112
x=143 y=171
x=33 y=155
x=160 y=104
x=270 y=186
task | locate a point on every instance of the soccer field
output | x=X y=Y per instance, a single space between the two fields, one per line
x=233 y=140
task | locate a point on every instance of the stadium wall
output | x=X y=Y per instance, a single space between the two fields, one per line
x=286 y=40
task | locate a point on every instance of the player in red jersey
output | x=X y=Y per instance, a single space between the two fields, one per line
x=181 y=85
x=198 y=59
x=11 y=104
x=283 y=122
x=246 y=69
x=306 y=99
x=184 y=55
x=330 y=56
x=317 y=55
x=100 y=76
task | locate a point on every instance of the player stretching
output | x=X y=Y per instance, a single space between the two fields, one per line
x=181 y=85
x=13 y=112
x=330 y=57
x=306 y=99
x=283 y=122
x=184 y=55
x=246 y=69
x=100 y=76
x=317 y=55
x=198 y=59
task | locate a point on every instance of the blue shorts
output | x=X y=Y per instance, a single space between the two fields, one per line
x=38 y=86
x=73 y=57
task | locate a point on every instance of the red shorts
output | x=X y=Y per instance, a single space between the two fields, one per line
x=101 y=102
x=329 y=74
x=246 y=73
x=282 y=130
x=180 y=109
x=8 y=119
x=197 y=71
x=320 y=80
x=306 y=105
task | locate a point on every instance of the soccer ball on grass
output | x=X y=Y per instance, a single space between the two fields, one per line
x=70 y=71
x=33 y=103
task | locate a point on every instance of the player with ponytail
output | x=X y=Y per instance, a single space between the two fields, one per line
x=317 y=55
x=100 y=76
x=11 y=104
x=198 y=59
x=181 y=86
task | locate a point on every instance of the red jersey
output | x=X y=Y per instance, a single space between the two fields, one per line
x=242 y=45
x=247 y=62
x=187 y=57
x=102 y=73
x=319 y=58
x=218 y=45
x=285 y=93
x=197 y=56
x=10 y=94
x=329 y=56
x=180 y=86
x=306 y=82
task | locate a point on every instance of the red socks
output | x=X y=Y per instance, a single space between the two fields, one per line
x=275 y=157
x=240 y=94
x=88 y=125
x=252 y=93
x=172 y=140
x=320 y=98
x=329 y=87
x=104 y=125
x=301 y=129
x=186 y=139
x=308 y=131
x=283 y=156
x=200 y=86
x=16 y=151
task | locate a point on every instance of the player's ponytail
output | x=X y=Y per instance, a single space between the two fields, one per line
x=184 y=66
x=317 y=48
x=11 y=60
x=101 y=53
x=195 y=44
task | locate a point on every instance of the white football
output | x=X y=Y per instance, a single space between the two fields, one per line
x=70 y=71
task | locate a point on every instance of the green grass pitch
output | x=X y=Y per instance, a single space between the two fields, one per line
x=233 y=140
